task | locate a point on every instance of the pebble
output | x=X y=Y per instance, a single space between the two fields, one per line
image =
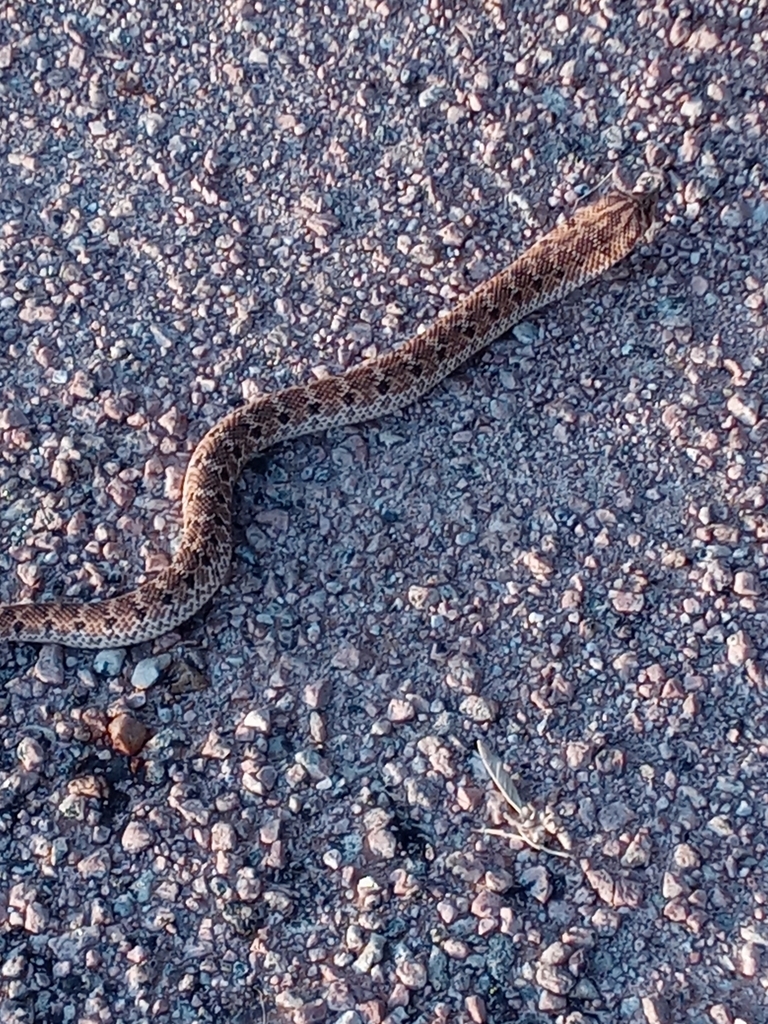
x=317 y=693
x=457 y=949
x=372 y=954
x=382 y=843
x=738 y=648
x=147 y=671
x=679 y=31
x=127 y=734
x=554 y=979
x=136 y=837
x=479 y=709
x=30 y=754
x=745 y=412
x=259 y=721
x=95 y=865
x=536 y=879
x=223 y=837
x=656 y=1010
x=400 y=710
x=732 y=215
x=750 y=958
x=626 y=602
x=412 y=973
x=437 y=969
x=745 y=584
x=110 y=662
x=475 y=1006
x=49 y=667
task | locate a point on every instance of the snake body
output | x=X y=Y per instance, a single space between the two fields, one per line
x=572 y=254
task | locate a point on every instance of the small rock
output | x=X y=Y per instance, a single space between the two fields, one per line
x=745 y=584
x=447 y=911
x=412 y=973
x=704 y=38
x=498 y=880
x=311 y=1013
x=95 y=865
x=679 y=31
x=732 y=215
x=372 y=953
x=30 y=754
x=456 y=949
x=382 y=843
x=584 y=989
x=148 y=671
x=422 y=597
x=35 y=918
x=536 y=880
x=550 y=1002
x=745 y=412
x=556 y=954
x=317 y=693
x=347 y=657
x=656 y=1010
x=49 y=667
x=223 y=837
x=215 y=748
x=750 y=960
x=720 y=1014
x=437 y=969
x=109 y=662
x=638 y=853
x=555 y=979
x=400 y=710
x=685 y=857
x=136 y=837
x=479 y=709
x=128 y=735
x=260 y=721
x=671 y=887
x=476 y=1009
x=738 y=648
x=692 y=109
x=720 y=825
x=11 y=416
x=14 y=966
x=486 y=904
x=626 y=602
x=577 y=754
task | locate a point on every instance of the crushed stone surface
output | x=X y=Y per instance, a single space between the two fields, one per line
x=279 y=813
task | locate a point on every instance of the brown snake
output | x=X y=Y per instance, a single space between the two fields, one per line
x=575 y=252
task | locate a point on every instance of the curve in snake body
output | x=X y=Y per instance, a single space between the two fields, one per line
x=574 y=253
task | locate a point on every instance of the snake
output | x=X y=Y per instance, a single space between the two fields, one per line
x=598 y=235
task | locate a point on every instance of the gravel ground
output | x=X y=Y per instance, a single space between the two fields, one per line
x=277 y=815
